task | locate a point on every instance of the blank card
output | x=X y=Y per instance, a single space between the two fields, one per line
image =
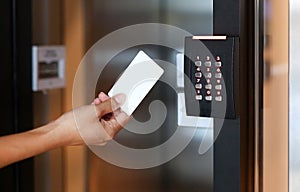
x=136 y=81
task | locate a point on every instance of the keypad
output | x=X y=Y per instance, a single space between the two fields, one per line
x=208 y=75
x=212 y=67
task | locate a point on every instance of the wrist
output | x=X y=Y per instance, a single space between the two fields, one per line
x=66 y=132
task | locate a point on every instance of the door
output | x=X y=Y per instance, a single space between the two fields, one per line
x=233 y=151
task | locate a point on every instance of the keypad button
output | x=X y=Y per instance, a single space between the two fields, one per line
x=208 y=86
x=198 y=63
x=218 y=87
x=198 y=97
x=208 y=98
x=218 y=75
x=207 y=75
x=198 y=86
x=218 y=64
x=198 y=69
x=199 y=74
x=219 y=98
x=207 y=63
x=198 y=80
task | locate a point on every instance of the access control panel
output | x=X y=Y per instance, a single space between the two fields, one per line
x=48 y=67
x=211 y=63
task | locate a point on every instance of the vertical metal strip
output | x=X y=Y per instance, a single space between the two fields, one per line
x=294 y=96
x=15 y=85
x=257 y=93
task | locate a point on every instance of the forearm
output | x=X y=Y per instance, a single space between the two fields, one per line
x=20 y=146
x=65 y=131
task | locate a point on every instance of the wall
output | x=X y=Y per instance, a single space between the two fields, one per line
x=275 y=149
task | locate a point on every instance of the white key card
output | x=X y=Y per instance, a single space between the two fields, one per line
x=136 y=81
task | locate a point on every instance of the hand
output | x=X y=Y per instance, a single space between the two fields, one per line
x=93 y=124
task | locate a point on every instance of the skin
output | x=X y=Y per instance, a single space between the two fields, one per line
x=64 y=132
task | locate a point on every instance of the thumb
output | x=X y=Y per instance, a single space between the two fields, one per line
x=110 y=105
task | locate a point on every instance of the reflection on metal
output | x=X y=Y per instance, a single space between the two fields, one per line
x=294 y=97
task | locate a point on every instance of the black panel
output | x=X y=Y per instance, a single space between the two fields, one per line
x=16 y=99
x=227 y=17
x=227 y=156
x=235 y=17
x=7 y=175
x=217 y=92
x=6 y=97
x=22 y=64
x=23 y=93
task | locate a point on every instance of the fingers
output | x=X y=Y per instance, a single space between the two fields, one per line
x=109 y=112
x=114 y=125
x=122 y=118
x=101 y=97
x=110 y=105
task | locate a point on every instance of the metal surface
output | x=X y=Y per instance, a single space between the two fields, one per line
x=257 y=92
x=294 y=97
